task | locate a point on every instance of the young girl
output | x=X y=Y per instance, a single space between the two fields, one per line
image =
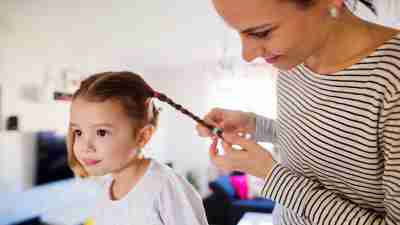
x=112 y=118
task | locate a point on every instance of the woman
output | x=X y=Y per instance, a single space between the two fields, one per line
x=338 y=126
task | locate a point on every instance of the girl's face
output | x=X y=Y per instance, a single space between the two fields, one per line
x=104 y=136
x=280 y=31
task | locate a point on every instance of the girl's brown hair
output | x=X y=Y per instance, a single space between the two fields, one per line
x=132 y=92
x=129 y=89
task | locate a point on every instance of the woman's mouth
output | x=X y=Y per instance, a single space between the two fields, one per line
x=272 y=59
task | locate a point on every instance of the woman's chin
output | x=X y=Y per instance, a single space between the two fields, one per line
x=284 y=66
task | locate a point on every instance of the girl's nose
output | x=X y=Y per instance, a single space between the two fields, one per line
x=85 y=145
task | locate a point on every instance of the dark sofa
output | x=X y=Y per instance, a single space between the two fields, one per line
x=223 y=207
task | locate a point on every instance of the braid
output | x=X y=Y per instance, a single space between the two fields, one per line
x=164 y=98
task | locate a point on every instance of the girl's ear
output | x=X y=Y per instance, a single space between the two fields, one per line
x=144 y=135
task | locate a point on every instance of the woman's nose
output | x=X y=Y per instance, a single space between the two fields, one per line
x=251 y=49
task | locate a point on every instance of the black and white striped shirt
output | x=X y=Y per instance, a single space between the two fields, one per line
x=338 y=136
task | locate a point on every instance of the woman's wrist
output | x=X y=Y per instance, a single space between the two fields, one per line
x=251 y=123
x=273 y=163
x=264 y=169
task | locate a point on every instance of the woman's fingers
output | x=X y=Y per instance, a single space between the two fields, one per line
x=218 y=160
x=203 y=131
x=228 y=149
x=214 y=118
x=241 y=141
x=251 y=158
x=213 y=149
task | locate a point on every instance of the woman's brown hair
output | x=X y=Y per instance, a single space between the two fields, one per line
x=307 y=3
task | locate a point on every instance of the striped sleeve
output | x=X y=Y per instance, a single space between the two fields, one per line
x=389 y=142
x=265 y=130
x=311 y=200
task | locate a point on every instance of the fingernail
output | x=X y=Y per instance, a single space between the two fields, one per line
x=214 y=144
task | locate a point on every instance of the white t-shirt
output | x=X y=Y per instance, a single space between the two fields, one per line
x=161 y=197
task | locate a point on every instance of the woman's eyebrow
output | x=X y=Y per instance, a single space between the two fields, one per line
x=253 y=29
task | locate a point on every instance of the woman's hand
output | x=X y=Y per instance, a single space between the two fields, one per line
x=251 y=158
x=230 y=121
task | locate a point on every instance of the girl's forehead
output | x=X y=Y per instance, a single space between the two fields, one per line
x=83 y=111
x=107 y=106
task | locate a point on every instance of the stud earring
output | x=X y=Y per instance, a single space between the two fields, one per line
x=333 y=11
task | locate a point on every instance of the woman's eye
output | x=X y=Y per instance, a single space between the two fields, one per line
x=102 y=133
x=261 y=35
x=78 y=133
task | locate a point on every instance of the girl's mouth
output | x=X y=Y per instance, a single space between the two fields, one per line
x=90 y=162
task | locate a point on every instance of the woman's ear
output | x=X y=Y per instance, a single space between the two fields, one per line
x=339 y=4
x=144 y=135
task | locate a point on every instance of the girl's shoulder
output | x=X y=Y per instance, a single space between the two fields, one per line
x=166 y=176
x=174 y=187
x=161 y=172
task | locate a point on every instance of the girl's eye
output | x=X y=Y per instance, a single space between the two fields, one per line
x=77 y=133
x=102 y=133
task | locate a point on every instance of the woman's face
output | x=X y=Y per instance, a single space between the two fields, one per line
x=282 y=32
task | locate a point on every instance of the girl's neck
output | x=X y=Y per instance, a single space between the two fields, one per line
x=350 y=39
x=127 y=178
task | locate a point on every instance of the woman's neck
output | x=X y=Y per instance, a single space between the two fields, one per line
x=127 y=178
x=349 y=40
